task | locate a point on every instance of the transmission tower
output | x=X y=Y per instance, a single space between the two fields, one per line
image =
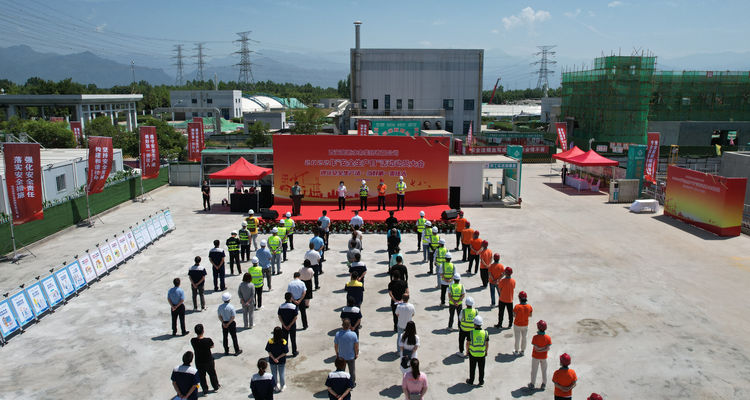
x=200 y=63
x=179 y=64
x=544 y=53
x=246 y=71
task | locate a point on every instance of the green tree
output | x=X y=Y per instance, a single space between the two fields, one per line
x=172 y=144
x=308 y=120
x=344 y=87
x=49 y=134
x=102 y=126
x=258 y=133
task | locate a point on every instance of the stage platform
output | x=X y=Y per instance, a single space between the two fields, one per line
x=312 y=212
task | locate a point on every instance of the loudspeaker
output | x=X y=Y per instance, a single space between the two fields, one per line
x=454 y=197
x=449 y=214
x=269 y=214
x=266 y=196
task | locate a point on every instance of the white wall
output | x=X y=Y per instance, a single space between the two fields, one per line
x=469 y=177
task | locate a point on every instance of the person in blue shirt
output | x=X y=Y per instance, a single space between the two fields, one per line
x=185 y=378
x=263 y=383
x=325 y=225
x=339 y=382
x=298 y=290
x=277 y=349
x=264 y=260
x=346 y=345
x=176 y=300
x=319 y=245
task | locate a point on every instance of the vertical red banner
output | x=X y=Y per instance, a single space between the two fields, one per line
x=194 y=141
x=652 y=157
x=470 y=138
x=149 y=152
x=562 y=134
x=75 y=126
x=363 y=127
x=23 y=180
x=100 y=163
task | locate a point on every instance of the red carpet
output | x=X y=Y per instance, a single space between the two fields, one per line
x=313 y=212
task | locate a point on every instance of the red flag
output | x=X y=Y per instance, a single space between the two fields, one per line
x=470 y=137
x=562 y=134
x=195 y=133
x=23 y=180
x=363 y=126
x=149 y=152
x=100 y=163
x=75 y=126
x=652 y=157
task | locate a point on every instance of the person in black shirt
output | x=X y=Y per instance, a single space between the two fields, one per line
x=288 y=317
x=400 y=269
x=185 y=378
x=197 y=276
x=204 y=360
x=277 y=349
x=216 y=256
x=339 y=382
x=359 y=267
x=396 y=290
x=391 y=221
x=394 y=240
x=352 y=313
x=262 y=384
x=206 y=192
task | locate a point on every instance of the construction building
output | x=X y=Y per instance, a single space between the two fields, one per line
x=624 y=97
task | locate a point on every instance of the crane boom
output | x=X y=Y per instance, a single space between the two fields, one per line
x=493 y=90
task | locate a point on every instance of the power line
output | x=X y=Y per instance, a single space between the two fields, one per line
x=545 y=52
x=200 y=63
x=246 y=71
x=179 y=80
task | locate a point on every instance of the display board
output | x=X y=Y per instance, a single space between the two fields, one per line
x=170 y=221
x=163 y=223
x=131 y=242
x=65 y=282
x=98 y=261
x=87 y=267
x=122 y=241
x=107 y=256
x=21 y=308
x=711 y=202
x=8 y=323
x=154 y=229
x=319 y=162
x=51 y=290
x=36 y=297
x=76 y=274
x=114 y=247
x=138 y=234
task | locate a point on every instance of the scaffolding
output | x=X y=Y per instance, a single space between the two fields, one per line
x=700 y=96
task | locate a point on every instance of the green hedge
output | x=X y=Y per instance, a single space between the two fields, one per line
x=63 y=215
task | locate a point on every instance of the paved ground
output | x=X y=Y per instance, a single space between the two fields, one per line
x=648 y=308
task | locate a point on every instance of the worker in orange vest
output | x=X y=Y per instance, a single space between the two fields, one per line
x=381 y=194
x=474 y=249
x=460 y=223
x=485 y=260
x=564 y=379
x=466 y=235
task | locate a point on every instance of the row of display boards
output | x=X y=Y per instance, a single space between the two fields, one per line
x=47 y=293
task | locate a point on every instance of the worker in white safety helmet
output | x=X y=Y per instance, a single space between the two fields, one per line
x=252 y=227
x=265 y=258
x=426 y=239
x=363 y=192
x=400 y=193
x=289 y=225
x=421 y=222
x=274 y=245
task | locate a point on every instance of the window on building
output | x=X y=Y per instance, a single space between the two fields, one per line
x=194 y=101
x=364 y=104
x=449 y=126
x=469 y=105
x=210 y=101
x=398 y=104
x=388 y=102
x=195 y=114
x=447 y=104
x=411 y=104
x=374 y=104
x=686 y=101
x=210 y=114
x=466 y=127
x=60 y=180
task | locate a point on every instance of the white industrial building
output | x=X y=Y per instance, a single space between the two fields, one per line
x=206 y=103
x=63 y=172
x=440 y=87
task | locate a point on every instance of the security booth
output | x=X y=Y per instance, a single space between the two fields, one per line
x=484 y=180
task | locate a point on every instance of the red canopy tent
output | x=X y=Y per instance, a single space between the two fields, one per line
x=241 y=170
x=591 y=159
x=574 y=152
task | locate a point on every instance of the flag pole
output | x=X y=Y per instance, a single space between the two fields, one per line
x=13 y=237
x=88 y=205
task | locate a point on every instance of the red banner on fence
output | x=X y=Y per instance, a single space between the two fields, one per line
x=562 y=134
x=502 y=149
x=363 y=127
x=195 y=141
x=652 y=157
x=149 y=153
x=100 y=163
x=23 y=180
x=75 y=126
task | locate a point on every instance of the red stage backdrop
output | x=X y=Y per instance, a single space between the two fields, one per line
x=195 y=140
x=149 y=153
x=711 y=202
x=319 y=162
x=23 y=180
x=100 y=163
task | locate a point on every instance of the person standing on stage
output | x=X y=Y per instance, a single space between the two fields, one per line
x=233 y=246
x=460 y=223
x=363 y=192
x=216 y=256
x=252 y=227
x=206 y=193
x=400 y=193
x=341 y=190
x=382 y=187
x=295 y=194
x=289 y=225
x=244 y=235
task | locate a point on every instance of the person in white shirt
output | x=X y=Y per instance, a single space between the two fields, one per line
x=356 y=221
x=342 y=195
x=405 y=313
x=314 y=257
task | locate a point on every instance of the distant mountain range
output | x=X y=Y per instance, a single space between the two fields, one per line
x=18 y=63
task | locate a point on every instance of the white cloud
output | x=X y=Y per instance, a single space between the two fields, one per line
x=592 y=14
x=613 y=4
x=438 y=22
x=100 y=28
x=495 y=31
x=573 y=14
x=425 y=43
x=527 y=16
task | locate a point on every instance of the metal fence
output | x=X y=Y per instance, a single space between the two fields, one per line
x=184 y=174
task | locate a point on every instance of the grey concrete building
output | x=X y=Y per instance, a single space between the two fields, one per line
x=228 y=102
x=442 y=85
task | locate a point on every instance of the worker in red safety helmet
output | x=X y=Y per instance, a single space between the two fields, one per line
x=521 y=314
x=595 y=396
x=496 y=271
x=541 y=343
x=507 y=286
x=564 y=379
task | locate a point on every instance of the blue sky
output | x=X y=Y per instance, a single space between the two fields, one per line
x=581 y=30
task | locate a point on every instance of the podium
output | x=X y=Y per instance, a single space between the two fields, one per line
x=296 y=203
